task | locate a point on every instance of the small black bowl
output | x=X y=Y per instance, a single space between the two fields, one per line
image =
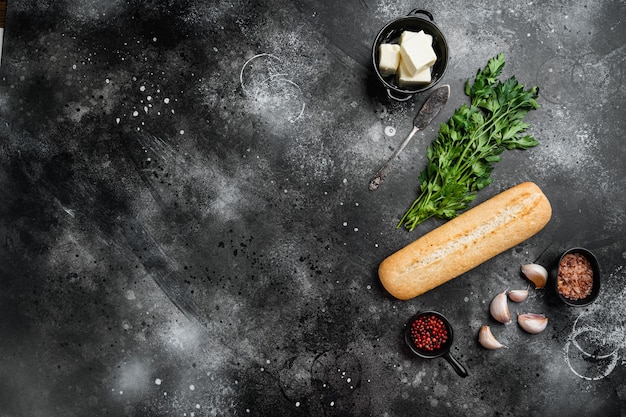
x=595 y=266
x=415 y=21
x=443 y=351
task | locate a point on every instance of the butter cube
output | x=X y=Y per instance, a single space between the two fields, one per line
x=388 y=59
x=405 y=78
x=409 y=34
x=417 y=52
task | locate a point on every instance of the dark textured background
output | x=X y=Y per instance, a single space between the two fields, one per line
x=186 y=229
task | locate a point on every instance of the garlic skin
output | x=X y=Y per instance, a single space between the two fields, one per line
x=532 y=323
x=499 y=308
x=517 y=296
x=486 y=339
x=536 y=273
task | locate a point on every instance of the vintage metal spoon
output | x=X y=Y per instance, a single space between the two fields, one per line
x=431 y=107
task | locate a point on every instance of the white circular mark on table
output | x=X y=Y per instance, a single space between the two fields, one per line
x=390 y=131
x=591 y=353
x=592 y=350
x=264 y=80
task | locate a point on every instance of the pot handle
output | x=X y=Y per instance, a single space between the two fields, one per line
x=460 y=369
x=420 y=11
x=396 y=98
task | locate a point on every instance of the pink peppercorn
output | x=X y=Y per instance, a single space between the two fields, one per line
x=428 y=333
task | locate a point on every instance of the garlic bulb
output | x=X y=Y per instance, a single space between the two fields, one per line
x=485 y=338
x=499 y=308
x=537 y=274
x=532 y=323
x=518 y=296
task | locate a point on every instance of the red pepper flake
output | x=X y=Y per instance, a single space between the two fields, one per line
x=428 y=332
x=575 y=278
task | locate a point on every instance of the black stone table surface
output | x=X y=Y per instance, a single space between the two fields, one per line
x=186 y=227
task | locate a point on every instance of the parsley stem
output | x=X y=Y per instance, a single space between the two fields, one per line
x=461 y=158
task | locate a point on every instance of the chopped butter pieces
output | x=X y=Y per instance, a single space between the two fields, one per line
x=408 y=79
x=410 y=60
x=417 y=52
x=389 y=59
x=405 y=35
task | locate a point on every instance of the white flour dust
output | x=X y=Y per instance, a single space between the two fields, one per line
x=151 y=102
x=569 y=77
x=596 y=344
x=390 y=131
x=266 y=83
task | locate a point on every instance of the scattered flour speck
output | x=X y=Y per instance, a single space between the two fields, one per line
x=390 y=131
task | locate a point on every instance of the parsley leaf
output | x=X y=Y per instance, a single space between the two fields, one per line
x=462 y=157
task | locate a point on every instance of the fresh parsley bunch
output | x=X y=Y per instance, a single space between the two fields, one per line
x=462 y=157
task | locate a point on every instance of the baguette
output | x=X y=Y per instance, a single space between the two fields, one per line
x=466 y=241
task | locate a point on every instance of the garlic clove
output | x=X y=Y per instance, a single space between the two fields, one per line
x=487 y=340
x=536 y=273
x=518 y=296
x=499 y=308
x=532 y=323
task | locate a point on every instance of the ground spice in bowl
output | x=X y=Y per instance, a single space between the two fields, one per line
x=576 y=277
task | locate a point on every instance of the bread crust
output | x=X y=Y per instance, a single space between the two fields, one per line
x=466 y=241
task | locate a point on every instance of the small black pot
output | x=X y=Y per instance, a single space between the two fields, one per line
x=415 y=21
